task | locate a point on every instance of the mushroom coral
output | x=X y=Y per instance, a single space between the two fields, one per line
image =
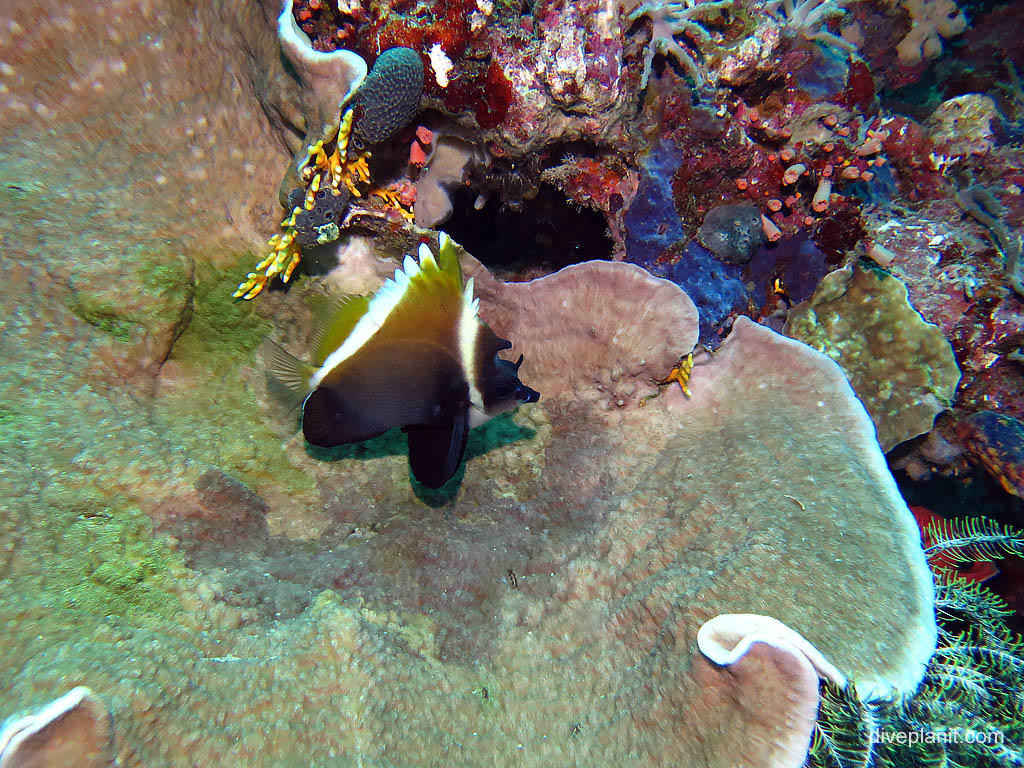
x=553 y=613
x=570 y=327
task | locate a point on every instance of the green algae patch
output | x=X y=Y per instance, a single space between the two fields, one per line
x=209 y=397
x=95 y=557
x=222 y=331
x=146 y=290
x=103 y=315
x=110 y=563
x=80 y=562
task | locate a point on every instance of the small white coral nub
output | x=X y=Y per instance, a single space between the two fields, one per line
x=441 y=64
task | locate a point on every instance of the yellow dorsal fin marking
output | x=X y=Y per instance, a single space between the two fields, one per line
x=437 y=279
x=418 y=300
x=425 y=300
x=442 y=280
x=335 y=321
x=448 y=258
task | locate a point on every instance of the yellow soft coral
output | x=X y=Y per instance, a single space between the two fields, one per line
x=319 y=170
x=679 y=374
x=394 y=199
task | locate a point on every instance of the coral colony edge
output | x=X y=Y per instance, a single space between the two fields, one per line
x=548 y=383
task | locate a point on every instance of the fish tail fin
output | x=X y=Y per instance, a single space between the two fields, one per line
x=287 y=376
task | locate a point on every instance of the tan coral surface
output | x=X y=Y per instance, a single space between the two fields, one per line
x=235 y=598
x=902 y=367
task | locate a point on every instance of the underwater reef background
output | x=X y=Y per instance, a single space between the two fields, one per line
x=828 y=199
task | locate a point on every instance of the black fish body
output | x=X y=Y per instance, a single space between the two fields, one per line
x=415 y=356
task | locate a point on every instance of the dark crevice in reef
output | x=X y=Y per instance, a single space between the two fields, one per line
x=534 y=237
x=962 y=497
x=561 y=151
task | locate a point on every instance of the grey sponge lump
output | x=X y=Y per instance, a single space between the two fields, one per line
x=732 y=232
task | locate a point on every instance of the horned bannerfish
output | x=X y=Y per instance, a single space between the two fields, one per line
x=415 y=355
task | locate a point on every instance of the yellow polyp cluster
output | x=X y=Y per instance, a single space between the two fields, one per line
x=314 y=187
x=320 y=170
x=393 y=199
x=679 y=374
x=345 y=132
x=281 y=261
x=354 y=171
x=337 y=167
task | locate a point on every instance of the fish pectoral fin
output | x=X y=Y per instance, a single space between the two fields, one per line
x=457 y=444
x=435 y=452
x=287 y=376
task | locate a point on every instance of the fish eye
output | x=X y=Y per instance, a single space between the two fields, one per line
x=504 y=390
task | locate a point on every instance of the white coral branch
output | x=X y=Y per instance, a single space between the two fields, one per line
x=675 y=18
x=809 y=17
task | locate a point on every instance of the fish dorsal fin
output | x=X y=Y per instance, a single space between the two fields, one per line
x=448 y=258
x=333 y=323
x=425 y=300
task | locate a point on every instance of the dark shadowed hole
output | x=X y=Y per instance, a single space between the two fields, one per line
x=981 y=496
x=532 y=238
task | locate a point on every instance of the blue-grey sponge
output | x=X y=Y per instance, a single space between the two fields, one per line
x=732 y=232
x=389 y=98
